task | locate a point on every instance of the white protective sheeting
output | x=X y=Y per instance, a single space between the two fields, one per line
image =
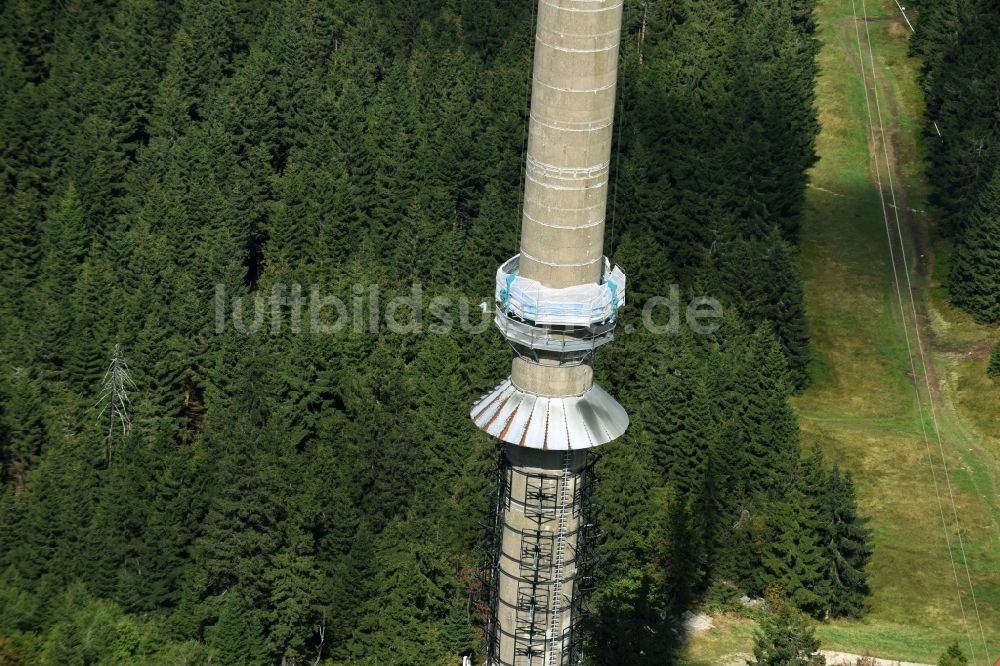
x=554 y=424
x=579 y=305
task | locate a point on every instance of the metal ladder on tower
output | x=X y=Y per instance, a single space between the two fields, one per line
x=555 y=621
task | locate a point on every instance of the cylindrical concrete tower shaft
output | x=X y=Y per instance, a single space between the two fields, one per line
x=569 y=157
x=569 y=141
x=562 y=243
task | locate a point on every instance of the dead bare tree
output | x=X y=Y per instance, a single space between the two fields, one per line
x=322 y=639
x=642 y=31
x=114 y=399
x=744 y=517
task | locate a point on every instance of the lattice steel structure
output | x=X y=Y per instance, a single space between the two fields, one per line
x=534 y=584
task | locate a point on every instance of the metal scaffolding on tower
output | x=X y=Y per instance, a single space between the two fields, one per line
x=543 y=588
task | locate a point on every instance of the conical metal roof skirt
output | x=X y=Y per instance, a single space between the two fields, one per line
x=556 y=424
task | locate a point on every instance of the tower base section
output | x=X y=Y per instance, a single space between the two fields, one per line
x=541 y=561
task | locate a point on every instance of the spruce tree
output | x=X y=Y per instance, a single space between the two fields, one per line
x=752 y=394
x=401 y=623
x=936 y=30
x=166 y=499
x=66 y=244
x=236 y=639
x=791 y=560
x=20 y=252
x=847 y=543
x=961 y=78
x=294 y=581
x=953 y=656
x=632 y=624
x=675 y=410
x=456 y=633
x=975 y=273
x=994 y=368
x=761 y=278
x=23 y=429
x=785 y=638
x=681 y=556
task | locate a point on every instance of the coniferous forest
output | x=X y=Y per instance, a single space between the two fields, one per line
x=957 y=42
x=295 y=494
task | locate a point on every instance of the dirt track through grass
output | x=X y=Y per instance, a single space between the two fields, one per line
x=862 y=407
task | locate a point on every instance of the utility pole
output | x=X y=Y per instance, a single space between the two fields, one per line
x=556 y=304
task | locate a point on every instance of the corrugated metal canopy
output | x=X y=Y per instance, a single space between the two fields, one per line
x=556 y=424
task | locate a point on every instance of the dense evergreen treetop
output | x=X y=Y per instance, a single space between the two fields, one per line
x=786 y=638
x=975 y=271
x=953 y=656
x=961 y=78
x=297 y=493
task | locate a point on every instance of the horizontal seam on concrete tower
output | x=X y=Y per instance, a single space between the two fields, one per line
x=571 y=210
x=549 y=186
x=596 y=128
x=599 y=173
x=584 y=11
x=589 y=35
x=564 y=226
x=569 y=174
x=565 y=49
x=556 y=264
x=572 y=90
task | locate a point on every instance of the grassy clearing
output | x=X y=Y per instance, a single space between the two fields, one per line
x=731 y=637
x=861 y=407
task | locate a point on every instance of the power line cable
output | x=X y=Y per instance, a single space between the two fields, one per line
x=522 y=173
x=902 y=10
x=916 y=329
x=902 y=309
x=621 y=128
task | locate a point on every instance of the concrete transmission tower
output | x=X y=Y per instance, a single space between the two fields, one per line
x=556 y=303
